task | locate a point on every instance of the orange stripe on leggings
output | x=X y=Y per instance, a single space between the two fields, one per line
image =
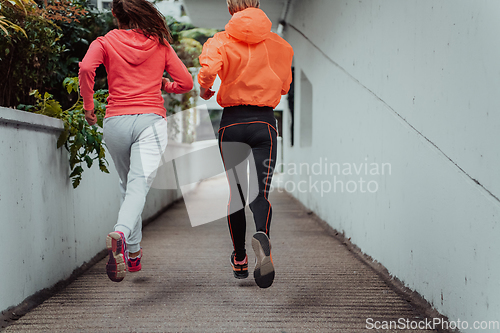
x=267 y=177
x=229 y=203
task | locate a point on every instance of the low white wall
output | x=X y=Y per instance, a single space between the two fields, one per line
x=412 y=84
x=48 y=229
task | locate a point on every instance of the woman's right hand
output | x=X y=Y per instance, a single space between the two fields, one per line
x=90 y=117
x=206 y=94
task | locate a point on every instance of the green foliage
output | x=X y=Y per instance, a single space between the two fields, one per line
x=188 y=40
x=83 y=142
x=42 y=44
x=189 y=50
x=28 y=57
x=199 y=34
x=177 y=27
x=187 y=44
x=76 y=39
x=5 y=24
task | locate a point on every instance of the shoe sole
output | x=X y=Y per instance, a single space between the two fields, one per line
x=134 y=269
x=240 y=275
x=264 y=268
x=116 y=267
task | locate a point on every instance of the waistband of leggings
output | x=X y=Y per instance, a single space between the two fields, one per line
x=247 y=114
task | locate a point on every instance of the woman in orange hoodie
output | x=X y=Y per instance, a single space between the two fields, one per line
x=135 y=126
x=254 y=65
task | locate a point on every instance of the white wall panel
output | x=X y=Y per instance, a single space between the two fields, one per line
x=411 y=84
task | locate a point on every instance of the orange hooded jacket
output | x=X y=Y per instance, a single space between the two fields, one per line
x=254 y=64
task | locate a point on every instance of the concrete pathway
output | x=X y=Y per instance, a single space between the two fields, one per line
x=187 y=285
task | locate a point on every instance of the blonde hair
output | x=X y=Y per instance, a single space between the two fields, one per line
x=238 y=5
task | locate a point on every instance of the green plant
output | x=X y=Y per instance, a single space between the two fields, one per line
x=17 y=5
x=42 y=43
x=28 y=57
x=76 y=39
x=199 y=34
x=83 y=142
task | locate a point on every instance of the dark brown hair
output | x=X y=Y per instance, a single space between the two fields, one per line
x=143 y=15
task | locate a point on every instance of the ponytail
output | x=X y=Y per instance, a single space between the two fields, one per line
x=143 y=15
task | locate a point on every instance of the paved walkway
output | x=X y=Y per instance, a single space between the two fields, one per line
x=187 y=285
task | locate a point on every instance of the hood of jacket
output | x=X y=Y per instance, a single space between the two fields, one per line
x=132 y=45
x=250 y=25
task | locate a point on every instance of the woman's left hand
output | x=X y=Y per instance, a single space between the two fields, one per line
x=90 y=117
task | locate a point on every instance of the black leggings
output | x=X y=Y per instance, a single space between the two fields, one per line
x=247 y=137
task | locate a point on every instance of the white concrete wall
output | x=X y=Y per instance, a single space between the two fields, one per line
x=414 y=84
x=48 y=229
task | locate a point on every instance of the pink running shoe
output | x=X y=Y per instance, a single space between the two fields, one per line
x=134 y=264
x=116 y=267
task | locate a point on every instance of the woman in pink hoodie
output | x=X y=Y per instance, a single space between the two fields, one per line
x=135 y=127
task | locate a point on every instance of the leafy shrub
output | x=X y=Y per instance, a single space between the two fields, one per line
x=28 y=57
x=83 y=142
x=43 y=44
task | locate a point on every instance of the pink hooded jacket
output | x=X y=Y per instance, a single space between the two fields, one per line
x=135 y=66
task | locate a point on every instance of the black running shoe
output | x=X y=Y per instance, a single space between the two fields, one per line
x=264 y=268
x=240 y=268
